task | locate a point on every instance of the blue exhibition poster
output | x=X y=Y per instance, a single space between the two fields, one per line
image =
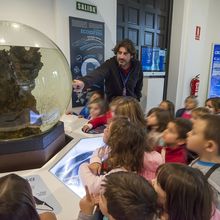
x=153 y=60
x=214 y=87
x=87 y=40
x=146 y=58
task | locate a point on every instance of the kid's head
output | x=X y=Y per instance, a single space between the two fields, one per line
x=97 y=107
x=213 y=104
x=167 y=106
x=97 y=94
x=190 y=102
x=114 y=103
x=176 y=132
x=183 y=192
x=128 y=196
x=16 y=199
x=204 y=139
x=127 y=142
x=158 y=119
x=130 y=108
x=198 y=113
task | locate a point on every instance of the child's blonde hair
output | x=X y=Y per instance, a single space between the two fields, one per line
x=116 y=101
x=101 y=103
x=130 y=108
x=200 y=111
x=127 y=143
x=193 y=99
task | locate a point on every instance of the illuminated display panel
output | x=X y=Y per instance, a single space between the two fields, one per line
x=66 y=169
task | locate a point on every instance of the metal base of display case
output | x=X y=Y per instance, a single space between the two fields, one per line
x=31 y=152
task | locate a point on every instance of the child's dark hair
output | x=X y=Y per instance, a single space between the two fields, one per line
x=101 y=103
x=188 y=193
x=129 y=196
x=215 y=103
x=16 y=199
x=163 y=118
x=127 y=142
x=171 y=107
x=126 y=43
x=183 y=126
x=212 y=128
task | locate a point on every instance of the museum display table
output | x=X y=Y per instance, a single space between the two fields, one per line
x=56 y=184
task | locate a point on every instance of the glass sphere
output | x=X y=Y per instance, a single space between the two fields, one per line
x=35 y=81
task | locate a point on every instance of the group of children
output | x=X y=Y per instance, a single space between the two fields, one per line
x=150 y=168
x=161 y=150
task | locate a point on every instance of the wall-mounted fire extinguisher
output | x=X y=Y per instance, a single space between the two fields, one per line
x=194 y=85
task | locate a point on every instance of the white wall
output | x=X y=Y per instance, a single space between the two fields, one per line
x=51 y=17
x=198 y=16
x=212 y=36
x=106 y=13
x=37 y=14
x=189 y=57
x=152 y=93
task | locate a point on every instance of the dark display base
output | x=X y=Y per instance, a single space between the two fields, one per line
x=32 y=152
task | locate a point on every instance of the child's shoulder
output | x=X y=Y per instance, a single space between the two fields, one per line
x=211 y=170
x=176 y=149
x=153 y=157
x=152 y=160
x=197 y=163
x=179 y=112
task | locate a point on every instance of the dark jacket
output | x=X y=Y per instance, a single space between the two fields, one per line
x=180 y=112
x=110 y=72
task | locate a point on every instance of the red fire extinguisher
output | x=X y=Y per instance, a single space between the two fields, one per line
x=194 y=85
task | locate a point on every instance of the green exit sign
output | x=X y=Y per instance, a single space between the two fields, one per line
x=86 y=7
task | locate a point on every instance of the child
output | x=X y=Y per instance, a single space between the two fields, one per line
x=125 y=196
x=198 y=113
x=167 y=106
x=213 y=104
x=157 y=120
x=126 y=145
x=94 y=95
x=184 y=194
x=17 y=201
x=174 y=138
x=190 y=103
x=131 y=108
x=204 y=139
x=97 y=108
x=102 y=120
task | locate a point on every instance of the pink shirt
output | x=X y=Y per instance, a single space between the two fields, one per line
x=216 y=215
x=152 y=160
x=92 y=181
x=186 y=115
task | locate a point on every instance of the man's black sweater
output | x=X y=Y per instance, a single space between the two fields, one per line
x=110 y=72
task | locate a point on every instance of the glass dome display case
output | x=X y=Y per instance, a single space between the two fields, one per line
x=35 y=85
